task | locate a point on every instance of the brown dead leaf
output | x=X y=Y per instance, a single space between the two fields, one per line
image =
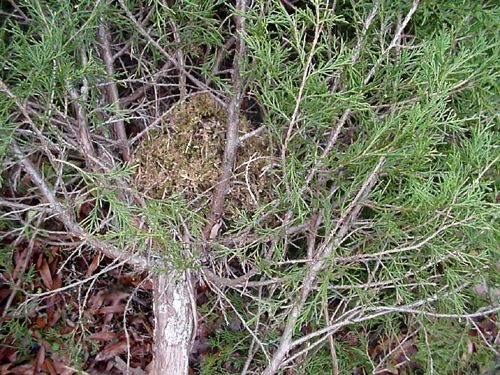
x=4 y=293
x=48 y=367
x=121 y=365
x=39 y=260
x=138 y=320
x=40 y=358
x=85 y=209
x=26 y=368
x=93 y=266
x=8 y=352
x=61 y=368
x=65 y=330
x=20 y=261
x=5 y=369
x=140 y=350
x=103 y=336
x=112 y=350
x=116 y=297
x=53 y=251
x=111 y=309
x=41 y=322
x=53 y=317
x=57 y=283
x=96 y=301
x=45 y=274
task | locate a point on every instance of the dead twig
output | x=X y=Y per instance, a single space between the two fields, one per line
x=181 y=60
x=139 y=93
x=233 y=123
x=173 y=60
x=83 y=126
x=113 y=97
x=331 y=343
x=362 y=314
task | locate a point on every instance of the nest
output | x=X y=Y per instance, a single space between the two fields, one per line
x=184 y=158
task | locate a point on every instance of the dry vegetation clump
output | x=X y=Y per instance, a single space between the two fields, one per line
x=185 y=155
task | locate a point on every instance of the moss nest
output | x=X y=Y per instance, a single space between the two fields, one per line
x=185 y=156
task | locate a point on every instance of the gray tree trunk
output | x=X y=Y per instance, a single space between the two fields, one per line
x=172 y=304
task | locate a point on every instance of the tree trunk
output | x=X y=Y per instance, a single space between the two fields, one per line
x=172 y=304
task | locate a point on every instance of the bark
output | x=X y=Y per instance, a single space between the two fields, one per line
x=172 y=304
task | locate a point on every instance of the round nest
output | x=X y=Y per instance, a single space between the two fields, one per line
x=185 y=156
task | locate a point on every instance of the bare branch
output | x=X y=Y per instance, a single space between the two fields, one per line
x=173 y=60
x=83 y=126
x=65 y=217
x=331 y=343
x=231 y=145
x=181 y=60
x=416 y=246
x=331 y=242
x=362 y=37
x=113 y=97
x=394 y=42
x=362 y=314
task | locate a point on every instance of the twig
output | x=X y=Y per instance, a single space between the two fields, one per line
x=394 y=42
x=180 y=59
x=485 y=340
x=109 y=268
x=22 y=269
x=334 y=134
x=252 y=350
x=64 y=216
x=220 y=54
x=322 y=255
x=124 y=320
x=231 y=145
x=113 y=97
x=239 y=281
x=362 y=37
x=358 y=314
x=83 y=126
x=251 y=134
x=129 y=42
x=158 y=121
x=416 y=246
x=307 y=70
x=24 y=207
x=377 y=369
x=139 y=93
x=381 y=311
x=431 y=362
x=243 y=321
x=22 y=14
x=333 y=351
x=174 y=61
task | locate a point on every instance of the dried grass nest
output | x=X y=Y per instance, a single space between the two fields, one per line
x=185 y=155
